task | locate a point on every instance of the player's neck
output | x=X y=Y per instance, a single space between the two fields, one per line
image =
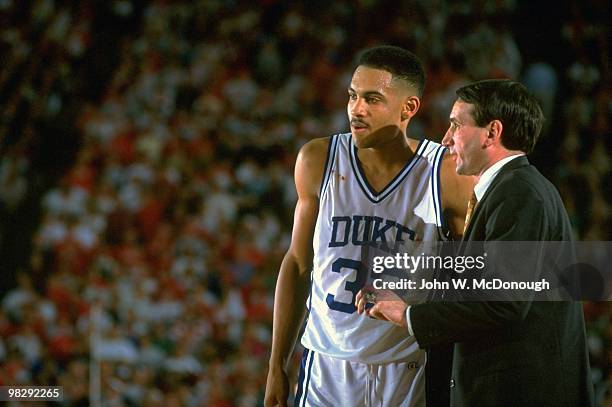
x=383 y=163
x=389 y=155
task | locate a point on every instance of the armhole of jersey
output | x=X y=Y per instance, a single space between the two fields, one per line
x=331 y=152
x=443 y=228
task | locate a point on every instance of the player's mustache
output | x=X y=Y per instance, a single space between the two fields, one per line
x=357 y=122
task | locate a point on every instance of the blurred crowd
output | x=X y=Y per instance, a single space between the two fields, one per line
x=151 y=273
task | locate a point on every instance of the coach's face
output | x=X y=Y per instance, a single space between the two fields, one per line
x=467 y=141
x=379 y=106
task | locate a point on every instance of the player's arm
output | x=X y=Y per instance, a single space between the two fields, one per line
x=293 y=284
x=455 y=191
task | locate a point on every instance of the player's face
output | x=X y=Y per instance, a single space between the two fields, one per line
x=374 y=106
x=466 y=140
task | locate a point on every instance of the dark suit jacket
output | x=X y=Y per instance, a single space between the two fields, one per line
x=511 y=353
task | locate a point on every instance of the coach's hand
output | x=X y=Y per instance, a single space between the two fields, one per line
x=387 y=306
x=277 y=388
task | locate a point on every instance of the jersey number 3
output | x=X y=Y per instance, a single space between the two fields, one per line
x=352 y=286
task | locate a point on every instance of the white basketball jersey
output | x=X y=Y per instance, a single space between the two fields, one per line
x=352 y=214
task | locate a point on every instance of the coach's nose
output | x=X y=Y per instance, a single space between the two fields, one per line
x=447 y=140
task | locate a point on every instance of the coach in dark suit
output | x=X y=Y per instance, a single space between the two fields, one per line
x=505 y=353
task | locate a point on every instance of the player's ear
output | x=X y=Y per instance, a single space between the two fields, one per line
x=410 y=107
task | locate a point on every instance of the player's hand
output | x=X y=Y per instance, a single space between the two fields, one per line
x=387 y=305
x=277 y=388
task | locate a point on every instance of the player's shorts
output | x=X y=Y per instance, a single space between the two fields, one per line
x=327 y=381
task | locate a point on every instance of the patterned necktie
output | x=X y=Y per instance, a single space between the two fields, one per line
x=470 y=210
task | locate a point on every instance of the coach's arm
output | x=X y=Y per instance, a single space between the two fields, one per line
x=293 y=282
x=439 y=323
x=515 y=212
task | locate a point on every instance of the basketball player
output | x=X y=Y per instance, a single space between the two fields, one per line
x=371 y=185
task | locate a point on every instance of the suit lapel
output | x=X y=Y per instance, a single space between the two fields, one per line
x=509 y=167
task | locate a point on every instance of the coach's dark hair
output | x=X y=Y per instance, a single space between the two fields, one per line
x=509 y=102
x=401 y=63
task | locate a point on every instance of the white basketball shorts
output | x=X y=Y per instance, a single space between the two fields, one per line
x=327 y=381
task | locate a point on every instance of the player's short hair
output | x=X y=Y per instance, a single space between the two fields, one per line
x=401 y=63
x=509 y=102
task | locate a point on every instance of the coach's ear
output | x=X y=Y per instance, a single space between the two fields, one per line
x=494 y=132
x=410 y=107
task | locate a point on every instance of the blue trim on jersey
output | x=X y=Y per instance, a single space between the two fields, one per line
x=444 y=223
x=370 y=193
x=331 y=152
x=436 y=191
